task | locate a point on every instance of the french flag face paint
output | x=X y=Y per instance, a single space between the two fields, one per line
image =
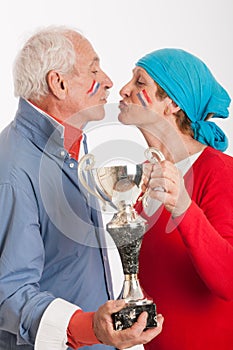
x=144 y=98
x=94 y=88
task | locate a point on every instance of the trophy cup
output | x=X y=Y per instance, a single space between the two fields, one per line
x=120 y=187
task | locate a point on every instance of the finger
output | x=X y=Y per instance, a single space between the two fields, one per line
x=165 y=169
x=158 y=328
x=133 y=335
x=115 y=305
x=147 y=169
x=151 y=333
x=109 y=308
x=168 y=199
x=145 y=179
x=163 y=185
x=141 y=322
x=147 y=165
x=146 y=336
x=160 y=320
x=143 y=188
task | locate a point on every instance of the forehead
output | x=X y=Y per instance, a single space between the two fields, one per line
x=139 y=71
x=85 y=52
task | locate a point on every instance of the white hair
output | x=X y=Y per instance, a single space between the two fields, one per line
x=48 y=49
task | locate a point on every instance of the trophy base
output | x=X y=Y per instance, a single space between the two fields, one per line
x=126 y=317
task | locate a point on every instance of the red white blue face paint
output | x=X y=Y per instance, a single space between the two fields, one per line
x=93 y=89
x=144 y=98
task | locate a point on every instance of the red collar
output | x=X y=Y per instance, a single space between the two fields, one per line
x=72 y=136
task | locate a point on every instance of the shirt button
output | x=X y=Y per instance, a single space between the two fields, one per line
x=71 y=165
x=63 y=153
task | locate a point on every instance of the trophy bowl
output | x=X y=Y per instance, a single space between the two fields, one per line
x=120 y=187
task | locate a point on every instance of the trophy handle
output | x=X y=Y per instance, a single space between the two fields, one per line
x=154 y=156
x=87 y=163
x=149 y=154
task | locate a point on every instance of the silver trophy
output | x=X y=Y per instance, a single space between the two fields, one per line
x=120 y=187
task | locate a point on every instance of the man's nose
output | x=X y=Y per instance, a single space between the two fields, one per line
x=107 y=81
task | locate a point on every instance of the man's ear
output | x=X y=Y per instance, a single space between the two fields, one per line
x=56 y=84
x=171 y=107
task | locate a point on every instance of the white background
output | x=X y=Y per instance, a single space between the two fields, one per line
x=122 y=31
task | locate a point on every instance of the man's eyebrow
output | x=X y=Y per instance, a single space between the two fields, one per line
x=95 y=60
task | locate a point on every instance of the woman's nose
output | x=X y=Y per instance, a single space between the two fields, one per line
x=125 y=91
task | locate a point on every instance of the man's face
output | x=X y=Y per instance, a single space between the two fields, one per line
x=88 y=87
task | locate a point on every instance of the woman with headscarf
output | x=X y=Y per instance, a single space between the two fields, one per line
x=186 y=259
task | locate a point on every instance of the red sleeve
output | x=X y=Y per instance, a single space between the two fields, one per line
x=138 y=205
x=207 y=230
x=80 y=330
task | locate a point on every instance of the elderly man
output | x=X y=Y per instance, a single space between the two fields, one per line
x=54 y=271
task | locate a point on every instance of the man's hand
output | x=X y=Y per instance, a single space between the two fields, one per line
x=104 y=331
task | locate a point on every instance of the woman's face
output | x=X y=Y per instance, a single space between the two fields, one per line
x=140 y=105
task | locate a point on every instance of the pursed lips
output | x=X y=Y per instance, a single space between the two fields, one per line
x=123 y=105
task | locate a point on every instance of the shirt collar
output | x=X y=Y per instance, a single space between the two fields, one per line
x=185 y=164
x=72 y=135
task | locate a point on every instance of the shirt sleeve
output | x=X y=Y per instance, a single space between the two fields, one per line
x=80 y=330
x=52 y=331
x=207 y=231
x=21 y=265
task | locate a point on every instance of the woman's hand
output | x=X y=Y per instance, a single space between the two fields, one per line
x=166 y=184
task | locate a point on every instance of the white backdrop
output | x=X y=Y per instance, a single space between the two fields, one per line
x=122 y=31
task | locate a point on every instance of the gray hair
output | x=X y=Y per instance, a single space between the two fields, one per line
x=48 y=49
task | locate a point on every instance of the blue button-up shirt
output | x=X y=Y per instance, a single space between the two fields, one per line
x=51 y=238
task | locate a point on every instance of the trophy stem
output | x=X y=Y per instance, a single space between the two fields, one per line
x=132 y=292
x=127 y=229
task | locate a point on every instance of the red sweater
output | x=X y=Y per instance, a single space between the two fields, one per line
x=186 y=264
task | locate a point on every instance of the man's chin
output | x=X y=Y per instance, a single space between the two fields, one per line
x=99 y=114
x=95 y=113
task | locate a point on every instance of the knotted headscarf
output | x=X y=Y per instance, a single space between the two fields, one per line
x=191 y=85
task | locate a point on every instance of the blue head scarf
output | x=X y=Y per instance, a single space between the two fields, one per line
x=190 y=84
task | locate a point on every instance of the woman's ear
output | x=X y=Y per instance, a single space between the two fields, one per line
x=56 y=84
x=171 y=107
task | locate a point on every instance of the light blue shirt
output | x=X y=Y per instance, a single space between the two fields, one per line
x=50 y=236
